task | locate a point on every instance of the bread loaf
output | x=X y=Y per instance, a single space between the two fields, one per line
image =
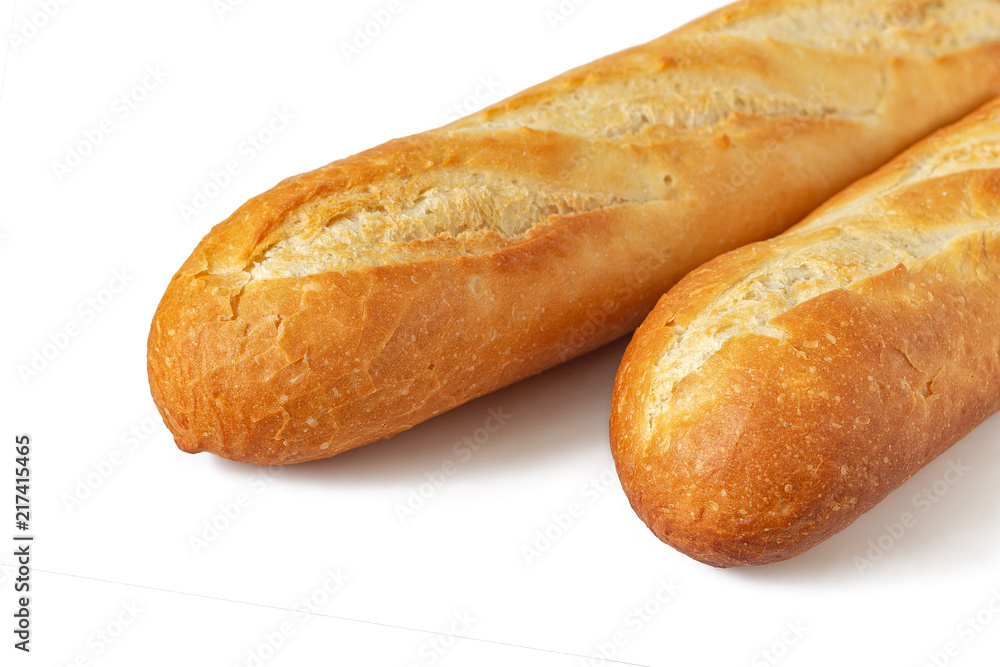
x=354 y=301
x=780 y=391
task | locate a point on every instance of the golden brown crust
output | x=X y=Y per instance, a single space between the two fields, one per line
x=351 y=302
x=784 y=427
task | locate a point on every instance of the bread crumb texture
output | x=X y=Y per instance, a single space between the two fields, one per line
x=783 y=389
x=351 y=302
x=638 y=96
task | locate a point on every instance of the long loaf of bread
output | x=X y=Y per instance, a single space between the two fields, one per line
x=780 y=391
x=352 y=302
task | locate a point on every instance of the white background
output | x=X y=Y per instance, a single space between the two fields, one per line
x=116 y=504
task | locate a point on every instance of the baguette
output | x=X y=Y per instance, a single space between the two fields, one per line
x=782 y=390
x=351 y=302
